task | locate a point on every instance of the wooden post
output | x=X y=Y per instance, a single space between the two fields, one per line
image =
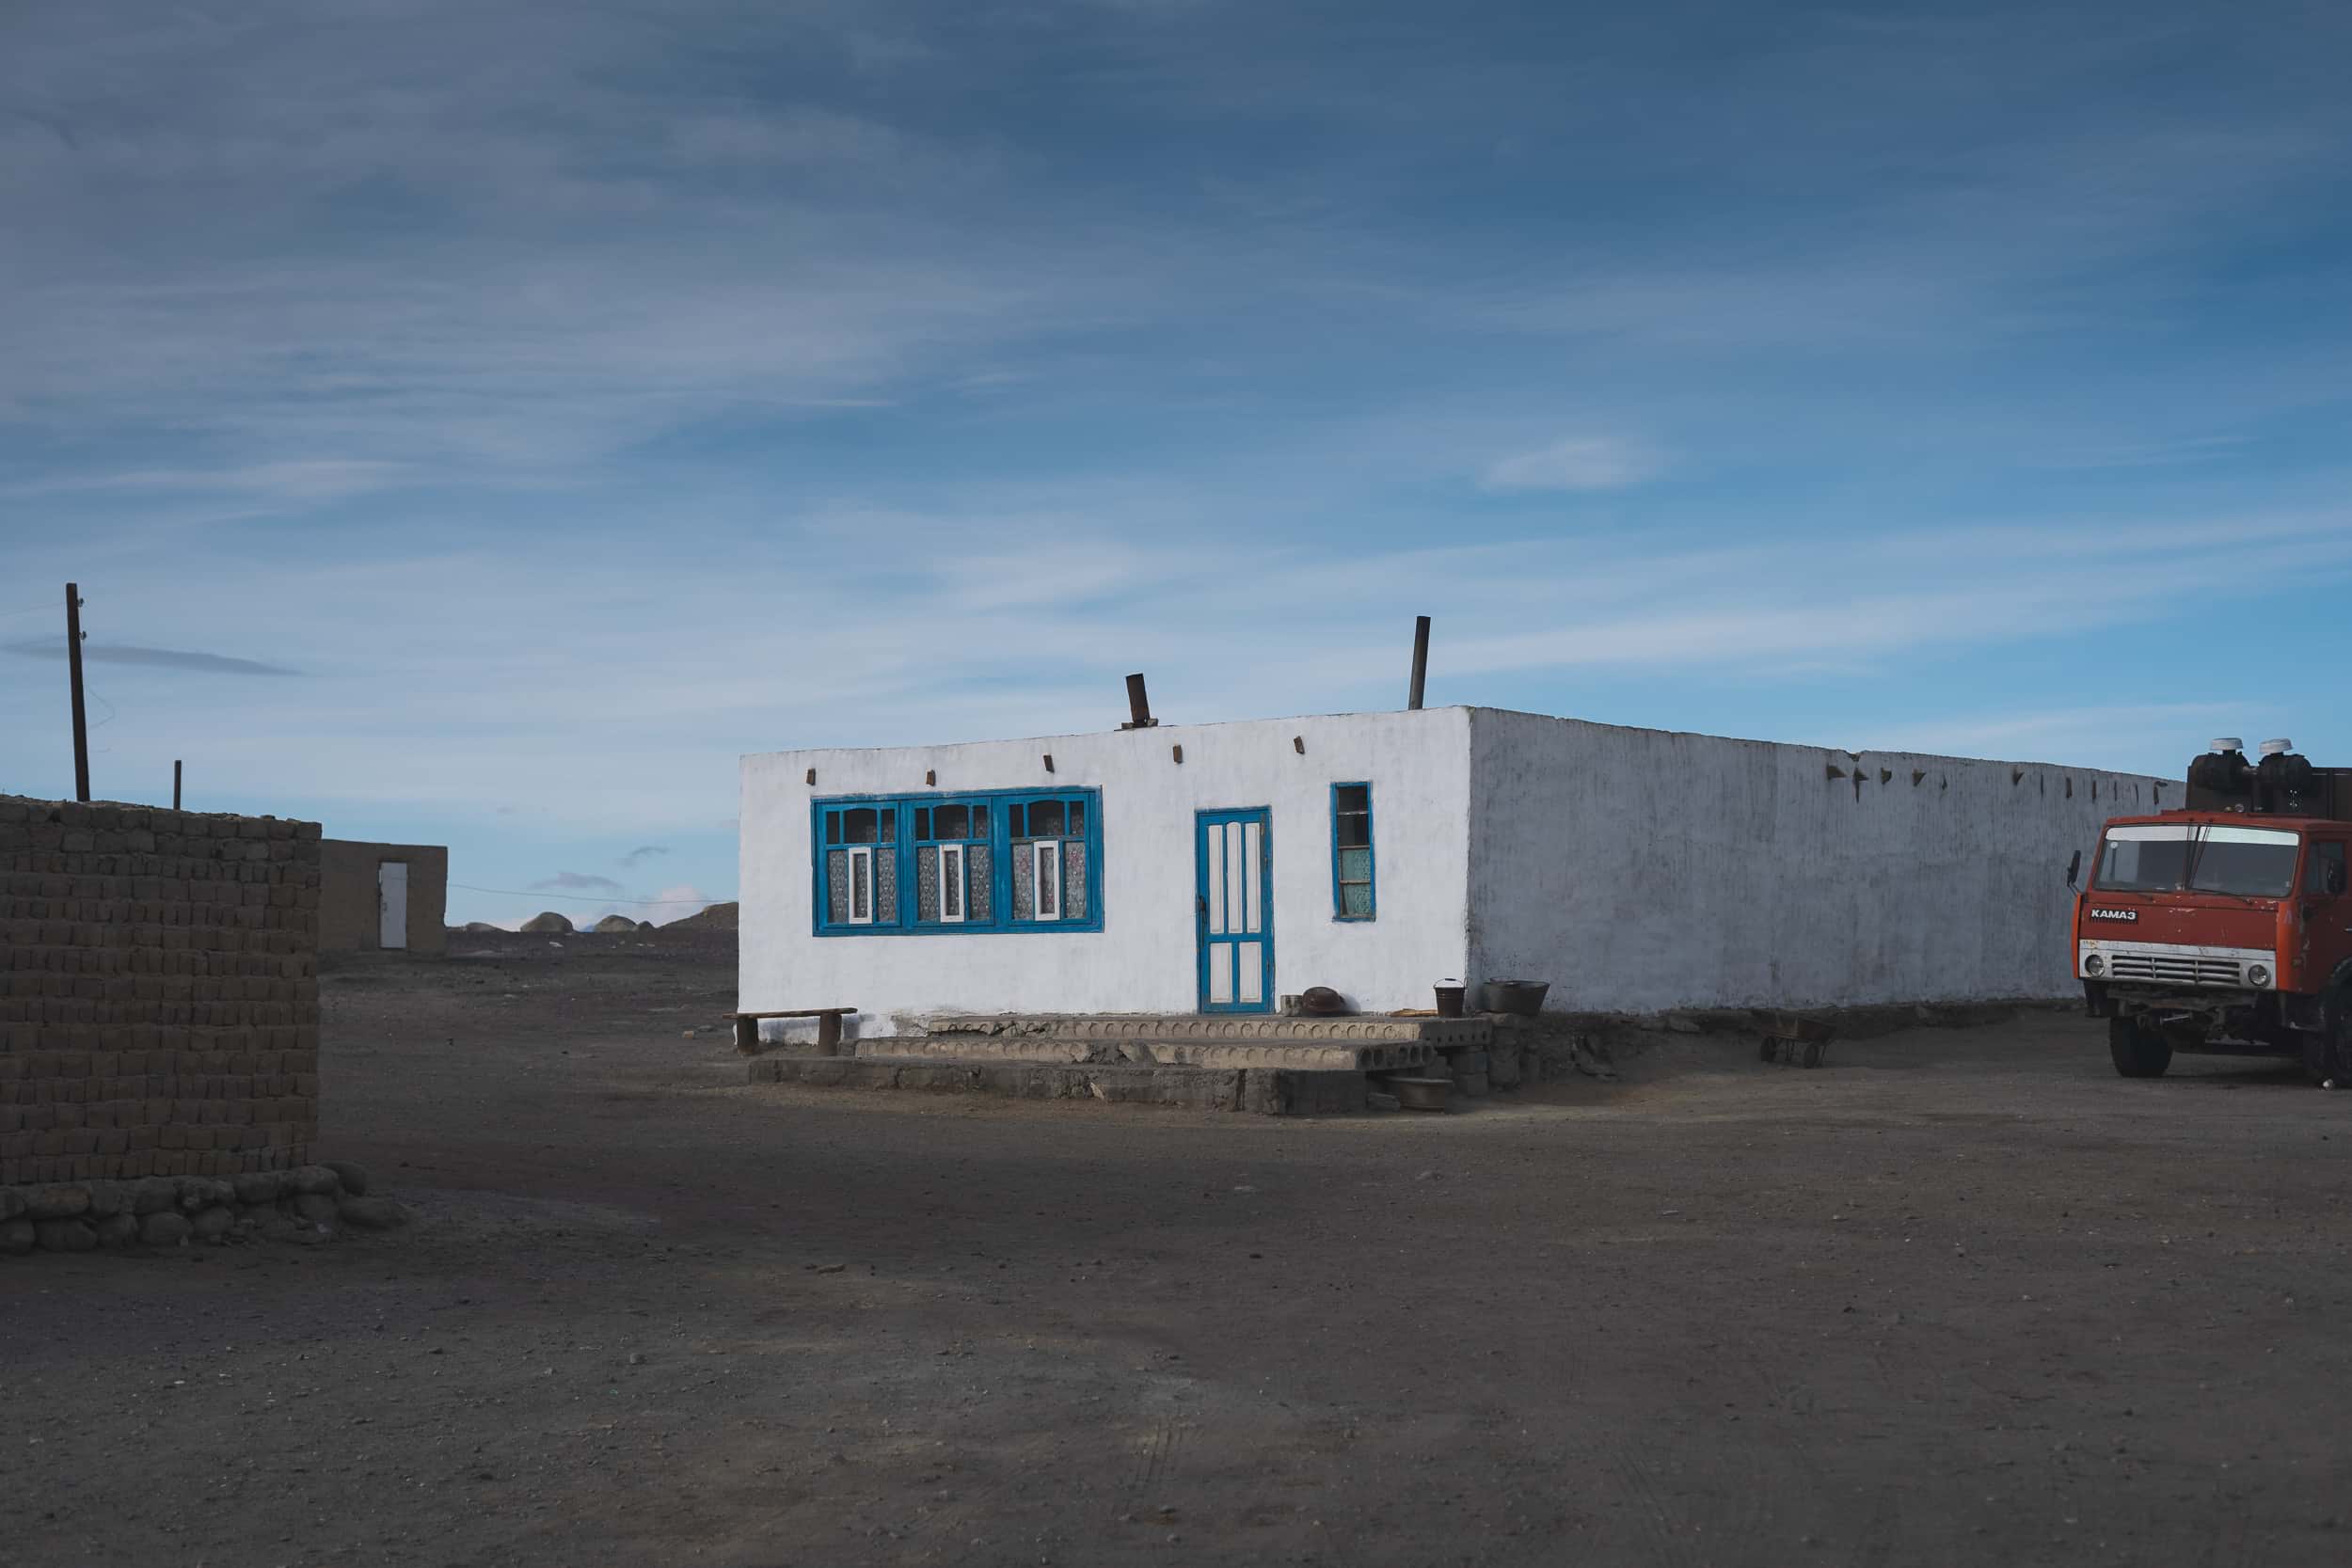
x=175 y=783
x=1421 y=660
x=747 y=1034
x=74 y=666
x=1139 y=705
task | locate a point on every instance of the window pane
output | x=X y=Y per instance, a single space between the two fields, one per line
x=979 y=892
x=1355 y=798
x=1077 y=818
x=1355 y=866
x=888 y=815
x=861 y=887
x=1354 y=831
x=922 y=823
x=1355 y=898
x=955 y=821
x=836 y=886
x=1045 y=818
x=951 y=885
x=858 y=826
x=1075 y=877
x=886 y=887
x=833 y=827
x=927 y=882
x=1013 y=814
x=1024 y=884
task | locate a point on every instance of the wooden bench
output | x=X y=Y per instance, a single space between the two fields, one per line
x=828 y=1028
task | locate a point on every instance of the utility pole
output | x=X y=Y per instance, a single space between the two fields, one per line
x=80 y=719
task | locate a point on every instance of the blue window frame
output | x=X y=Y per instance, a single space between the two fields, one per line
x=1007 y=859
x=1352 y=875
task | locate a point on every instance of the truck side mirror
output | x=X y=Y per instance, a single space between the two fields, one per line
x=2074 y=870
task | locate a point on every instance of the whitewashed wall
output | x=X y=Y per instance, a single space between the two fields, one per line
x=1143 y=959
x=1638 y=870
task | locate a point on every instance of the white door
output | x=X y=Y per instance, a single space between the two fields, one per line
x=391 y=903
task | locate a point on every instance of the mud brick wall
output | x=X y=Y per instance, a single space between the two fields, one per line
x=159 y=1010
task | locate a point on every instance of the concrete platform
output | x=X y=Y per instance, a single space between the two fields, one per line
x=1199 y=1029
x=1264 y=1092
x=1305 y=1054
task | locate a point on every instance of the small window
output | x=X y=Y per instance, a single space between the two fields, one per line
x=1048 y=852
x=2328 y=872
x=862 y=885
x=1351 y=853
x=951 y=883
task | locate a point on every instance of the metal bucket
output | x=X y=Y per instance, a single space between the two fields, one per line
x=1450 y=999
x=1524 y=997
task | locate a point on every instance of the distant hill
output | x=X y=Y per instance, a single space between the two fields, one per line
x=718 y=917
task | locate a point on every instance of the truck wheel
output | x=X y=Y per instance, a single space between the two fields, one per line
x=2138 y=1052
x=2328 y=1056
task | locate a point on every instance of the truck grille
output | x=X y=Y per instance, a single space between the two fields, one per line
x=2180 y=970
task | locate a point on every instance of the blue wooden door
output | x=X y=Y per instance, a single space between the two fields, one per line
x=1233 y=856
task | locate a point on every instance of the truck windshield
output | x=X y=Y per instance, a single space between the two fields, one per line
x=2254 y=862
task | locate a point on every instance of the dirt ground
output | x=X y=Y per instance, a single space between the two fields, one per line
x=1960 y=1296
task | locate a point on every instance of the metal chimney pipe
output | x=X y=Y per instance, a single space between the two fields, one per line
x=1139 y=705
x=1421 y=660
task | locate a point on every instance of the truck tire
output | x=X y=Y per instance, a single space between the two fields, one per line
x=2328 y=1056
x=2139 y=1052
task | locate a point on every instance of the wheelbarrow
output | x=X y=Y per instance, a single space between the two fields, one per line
x=1793 y=1039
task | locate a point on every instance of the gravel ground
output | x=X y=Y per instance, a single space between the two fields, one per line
x=1962 y=1296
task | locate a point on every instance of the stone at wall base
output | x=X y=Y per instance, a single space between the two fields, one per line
x=164 y=1227
x=65 y=1235
x=372 y=1213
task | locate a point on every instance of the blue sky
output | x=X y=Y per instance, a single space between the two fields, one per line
x=574 y=397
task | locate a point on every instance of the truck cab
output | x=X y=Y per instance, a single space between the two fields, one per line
x=2225 y=927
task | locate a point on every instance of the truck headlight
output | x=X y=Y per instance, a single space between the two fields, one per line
x=2095 y=966
x=2257 y=974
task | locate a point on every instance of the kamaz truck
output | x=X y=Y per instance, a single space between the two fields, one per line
x=2225 y=925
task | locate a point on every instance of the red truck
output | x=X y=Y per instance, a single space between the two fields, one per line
x=2226 y=925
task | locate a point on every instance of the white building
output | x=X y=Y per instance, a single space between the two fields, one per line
x=1220 y=868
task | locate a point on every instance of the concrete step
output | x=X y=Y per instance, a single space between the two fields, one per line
x=1264 y=1092
x=1199 y=1029
x=1306 y=1055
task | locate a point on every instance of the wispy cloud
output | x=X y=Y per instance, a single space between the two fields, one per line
x=577 y=881
x=644 y=853
x=1578 y=463
x=161 y=658
x=2071 y=734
